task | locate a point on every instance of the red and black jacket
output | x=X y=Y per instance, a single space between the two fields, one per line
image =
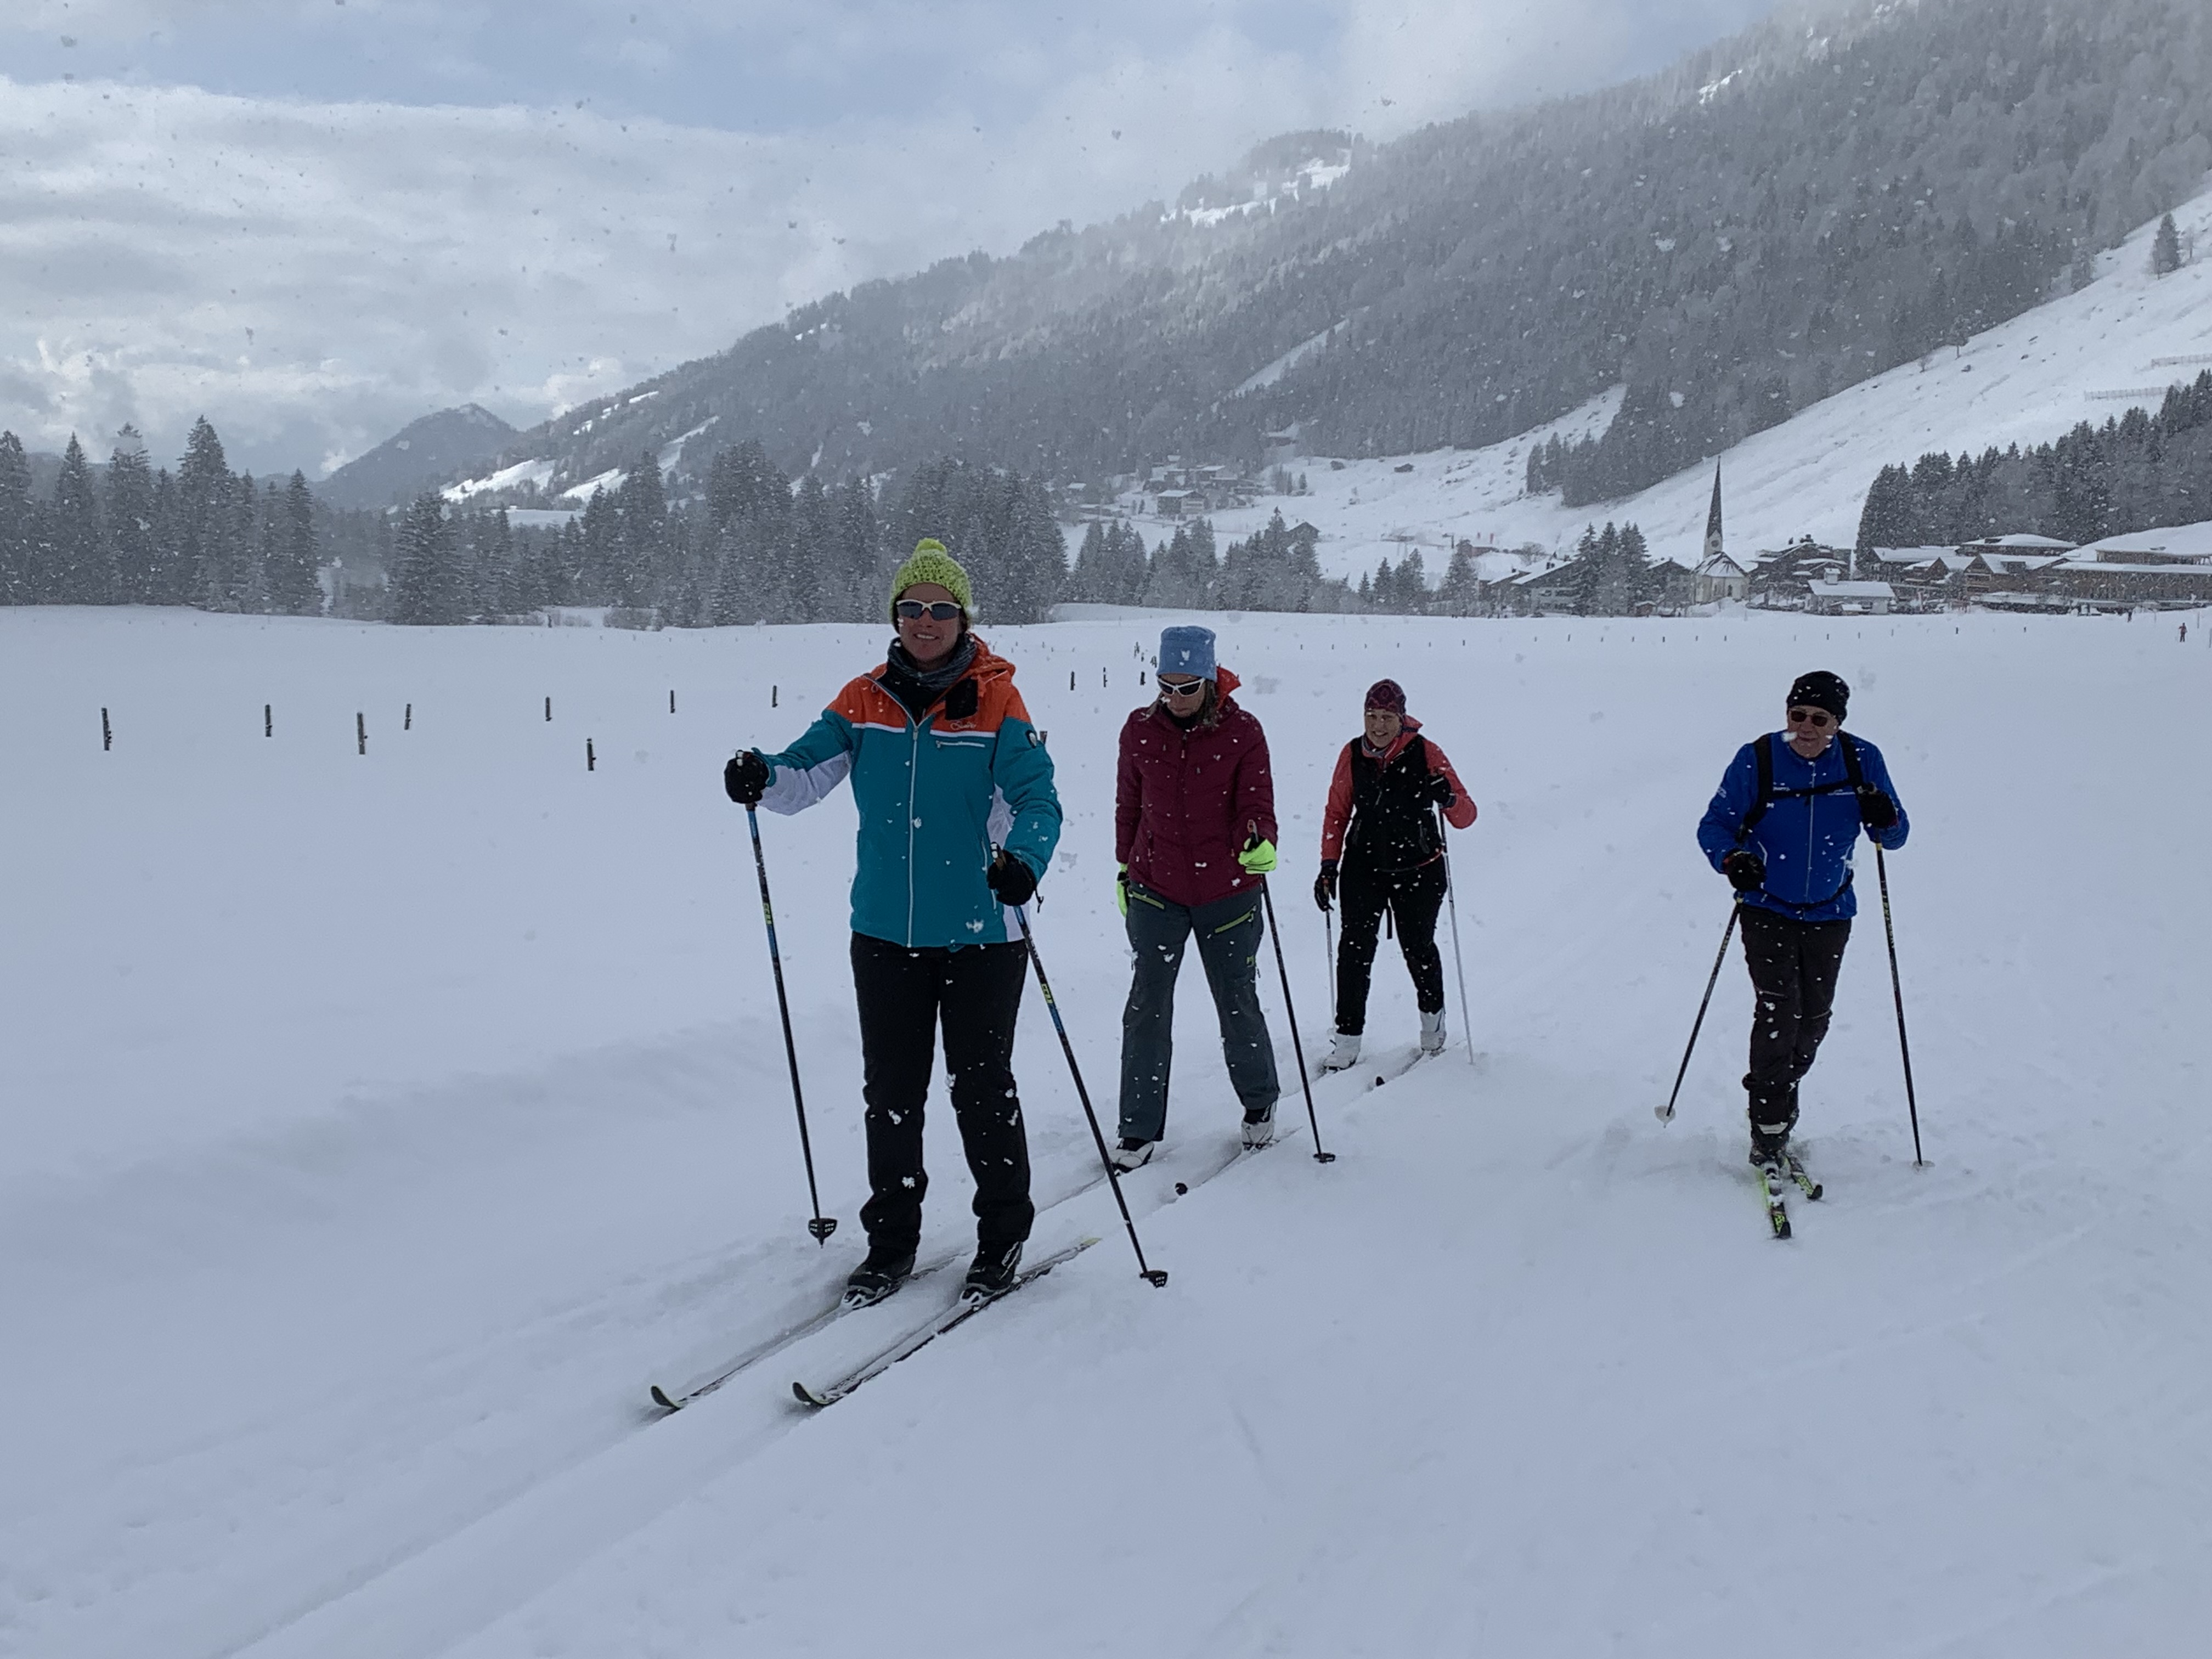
x=1380 y=815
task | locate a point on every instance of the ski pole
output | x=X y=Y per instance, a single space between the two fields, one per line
x=1297 y=1049
x=1290 y=1008
x=821 y=1226
x=1897 y=990
x=1156 y=1276
x=1459 y=966
x=1329 y=945
x=1666 y=1114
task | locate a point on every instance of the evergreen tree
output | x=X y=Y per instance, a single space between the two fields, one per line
x=128 y=514
x=2083 y=270
x=596 y=581
x=863 y=582
x=429 y=586
x=2166 y=248
x=1462 y=586
x=500 y=568
x=16 y=522
x=294 y=589
x=202 y=520
x=640 y=569
x=813 y=552
x=1034 y=569
x=248 y=585
x=80 y=573
x=1091 y=577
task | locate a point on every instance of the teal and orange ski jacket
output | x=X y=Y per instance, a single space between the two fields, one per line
x=934 y=795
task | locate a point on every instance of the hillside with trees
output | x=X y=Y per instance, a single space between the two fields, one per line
x=2138 y=472
x=1776 y=218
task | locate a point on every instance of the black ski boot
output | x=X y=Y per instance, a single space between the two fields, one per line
x=993 y=1271
x=882 y=1273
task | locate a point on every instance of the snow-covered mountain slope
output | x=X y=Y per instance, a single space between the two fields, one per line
x=2025 y=382
x=379 y=1127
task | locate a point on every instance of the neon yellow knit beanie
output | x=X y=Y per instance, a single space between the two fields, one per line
x=932 y=563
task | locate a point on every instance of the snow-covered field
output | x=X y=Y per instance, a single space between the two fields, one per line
x=377 y=1127
x=2026 y=381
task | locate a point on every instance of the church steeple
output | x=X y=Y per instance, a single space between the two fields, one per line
x=1713 y=545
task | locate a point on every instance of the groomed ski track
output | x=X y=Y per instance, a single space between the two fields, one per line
x=341 y=1262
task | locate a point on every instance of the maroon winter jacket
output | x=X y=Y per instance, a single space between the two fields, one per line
x=1186 y=798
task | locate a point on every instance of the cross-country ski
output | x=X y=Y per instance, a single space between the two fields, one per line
x=966 y=1307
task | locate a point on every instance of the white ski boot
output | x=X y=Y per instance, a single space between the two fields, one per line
x=1432 y=1032
x=1132 y=1155
x=1259 y=1127
x=1343 y=1052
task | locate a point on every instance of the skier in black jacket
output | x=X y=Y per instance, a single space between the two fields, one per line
x=1383 y=849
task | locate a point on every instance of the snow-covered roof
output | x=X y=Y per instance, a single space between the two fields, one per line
x=1912 y=554
x=2113 y=567
x=2188 y=541
x=1849 y=590
x=2024 y=543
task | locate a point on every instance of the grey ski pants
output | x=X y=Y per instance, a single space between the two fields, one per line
x=1229 y=932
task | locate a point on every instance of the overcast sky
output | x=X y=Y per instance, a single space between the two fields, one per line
x=315 y=220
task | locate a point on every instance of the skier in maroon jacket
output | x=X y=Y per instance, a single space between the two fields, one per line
x=1194 y=833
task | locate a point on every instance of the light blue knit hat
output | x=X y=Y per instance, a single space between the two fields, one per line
x=1187 y=649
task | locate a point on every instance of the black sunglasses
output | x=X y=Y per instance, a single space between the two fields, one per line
x=936 y=610
x=1818 y=719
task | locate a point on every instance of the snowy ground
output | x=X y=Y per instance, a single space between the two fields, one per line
x=378 y=1128
x=2026 y=382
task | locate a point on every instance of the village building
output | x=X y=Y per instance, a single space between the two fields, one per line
x=1849 y=598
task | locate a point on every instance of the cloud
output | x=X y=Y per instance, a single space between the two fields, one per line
x=313 y=275
x=311 y=272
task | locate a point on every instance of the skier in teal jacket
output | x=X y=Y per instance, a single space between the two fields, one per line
x=958 y=820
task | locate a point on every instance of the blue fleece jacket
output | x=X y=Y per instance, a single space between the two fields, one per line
x=1806 y=839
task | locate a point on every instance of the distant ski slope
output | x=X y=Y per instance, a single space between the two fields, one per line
x=2025 y=382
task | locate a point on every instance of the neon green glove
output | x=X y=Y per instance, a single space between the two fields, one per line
x=1121 y=889
x=1259 y=858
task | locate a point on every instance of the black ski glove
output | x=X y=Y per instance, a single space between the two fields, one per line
x=1325 y=883
x=1876 y=810
x=1011 y=879
x=1747 y=872
x=1437 y=787
x=746 y=778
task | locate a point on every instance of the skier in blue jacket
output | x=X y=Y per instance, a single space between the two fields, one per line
x=958 y=820
x=1781 y=827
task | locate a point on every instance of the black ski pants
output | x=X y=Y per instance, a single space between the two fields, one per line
x=1412 y=897
x=1229 y=932
x=905 y=994
x=1794 y=966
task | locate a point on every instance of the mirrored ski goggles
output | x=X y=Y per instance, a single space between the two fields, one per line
x=936 y=610
x=1818 y=719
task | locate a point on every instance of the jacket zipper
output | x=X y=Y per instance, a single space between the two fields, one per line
x=913 y=781
x=1812 y=817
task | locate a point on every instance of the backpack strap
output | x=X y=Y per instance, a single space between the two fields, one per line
x=1851 y=769
x=1763 y=754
